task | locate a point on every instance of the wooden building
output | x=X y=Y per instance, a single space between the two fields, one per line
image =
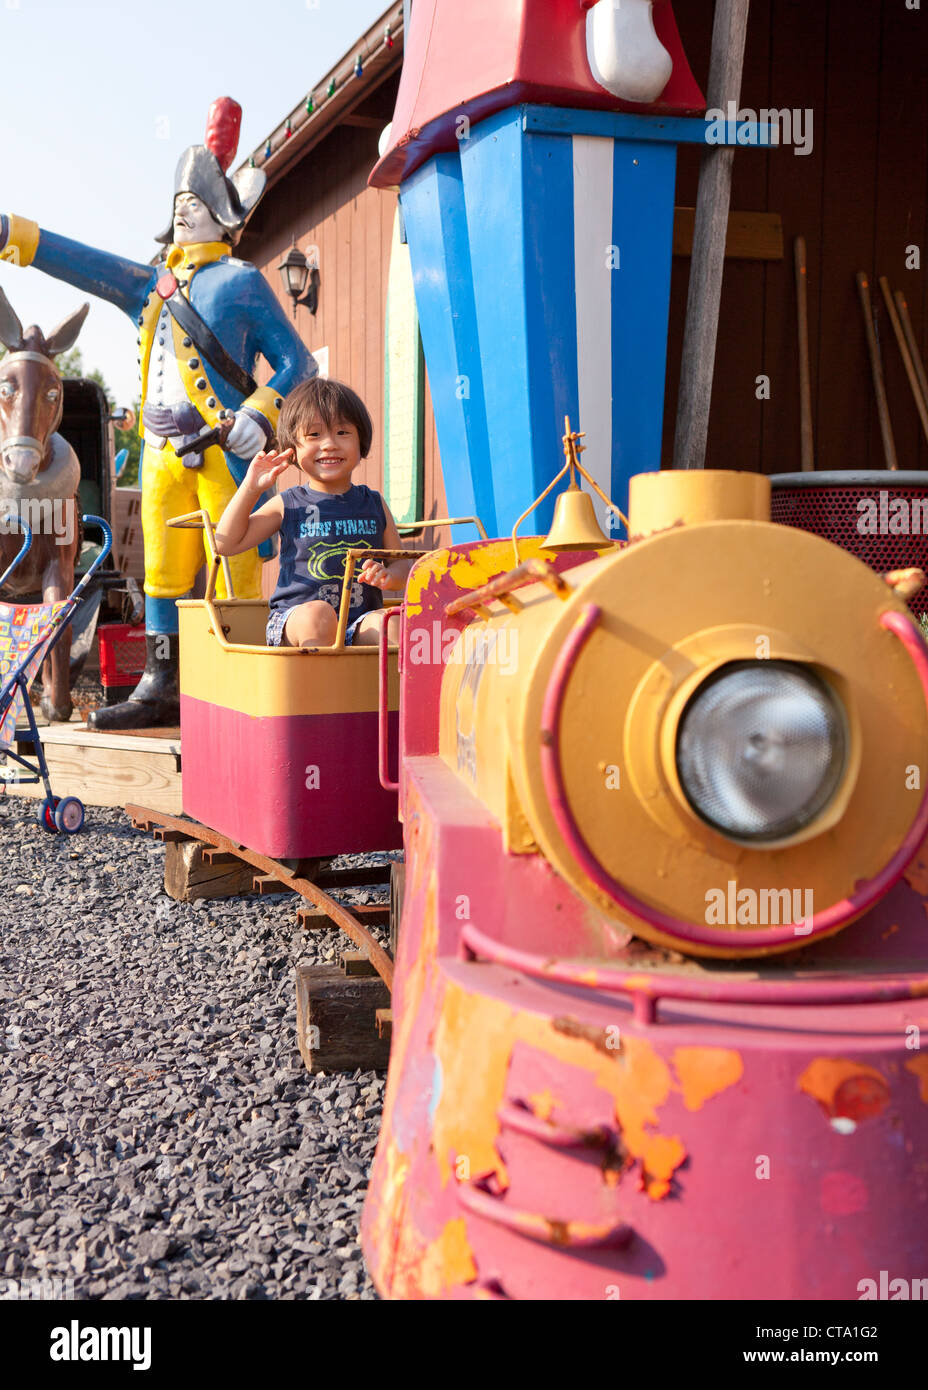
x=855 y=72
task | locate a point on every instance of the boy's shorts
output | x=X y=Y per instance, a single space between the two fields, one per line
x=278 y=617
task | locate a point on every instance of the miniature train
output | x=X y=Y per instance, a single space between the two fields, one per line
x=281 y=745
x=660 y=979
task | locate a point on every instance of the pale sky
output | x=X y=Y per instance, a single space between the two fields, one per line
x=100 y=99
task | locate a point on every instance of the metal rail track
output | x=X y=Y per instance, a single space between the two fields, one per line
x=270 y=873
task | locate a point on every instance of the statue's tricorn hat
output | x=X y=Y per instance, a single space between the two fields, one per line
x=201 y=170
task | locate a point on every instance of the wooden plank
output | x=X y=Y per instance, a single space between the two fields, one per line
x=901 y=196
x=375 y=279
x=798 y=78
x=189 y=876
x=712 y=205
x=340 y=364
x=737 y=414
x=336 y=1020
x=751 y=236
x=109 y=777
x=385 y=1023
x=371 y=914
x=79 y=735
x=847 y=423
x=361 y=141
x=356 y=963
x=127 y=531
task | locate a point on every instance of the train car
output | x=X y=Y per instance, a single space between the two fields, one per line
x=660 y=980
x=281 y=745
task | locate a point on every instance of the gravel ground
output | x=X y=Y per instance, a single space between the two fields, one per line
x=159 y=1135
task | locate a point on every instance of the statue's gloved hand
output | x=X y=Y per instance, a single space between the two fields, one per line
x=625 y=54
x=246 y=436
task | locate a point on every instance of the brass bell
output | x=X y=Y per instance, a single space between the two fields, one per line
x=574 y=526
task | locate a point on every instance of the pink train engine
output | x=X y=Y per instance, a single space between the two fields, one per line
x=660 y=980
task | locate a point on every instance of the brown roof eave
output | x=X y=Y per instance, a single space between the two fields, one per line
x=307 y=130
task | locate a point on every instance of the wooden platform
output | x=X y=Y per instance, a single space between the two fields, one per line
x=109 y=769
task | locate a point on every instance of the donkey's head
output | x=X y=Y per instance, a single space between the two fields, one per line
x=30 y=390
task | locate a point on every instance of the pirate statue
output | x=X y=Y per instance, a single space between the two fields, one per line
x=203 y=319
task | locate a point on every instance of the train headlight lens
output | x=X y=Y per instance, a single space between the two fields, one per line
x=761 y=748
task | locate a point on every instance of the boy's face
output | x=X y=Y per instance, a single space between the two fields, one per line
x=329 y=455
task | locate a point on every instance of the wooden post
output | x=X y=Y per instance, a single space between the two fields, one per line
x=729 y=33
x=336 y=1017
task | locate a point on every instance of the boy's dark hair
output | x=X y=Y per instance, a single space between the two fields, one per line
x=325 y=400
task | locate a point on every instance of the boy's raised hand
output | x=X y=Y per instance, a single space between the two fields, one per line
x=266 y=468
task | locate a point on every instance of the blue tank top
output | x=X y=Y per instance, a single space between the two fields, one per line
x=318 y=528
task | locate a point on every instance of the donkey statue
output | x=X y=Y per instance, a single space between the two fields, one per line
x=39 y=477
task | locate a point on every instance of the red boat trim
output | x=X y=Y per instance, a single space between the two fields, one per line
x=865 y=895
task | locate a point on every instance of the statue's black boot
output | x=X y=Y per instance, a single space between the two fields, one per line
x=155 y=701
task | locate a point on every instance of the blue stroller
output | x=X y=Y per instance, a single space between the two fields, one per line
x=27 y=634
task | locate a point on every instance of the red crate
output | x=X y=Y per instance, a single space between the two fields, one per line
x=122 y=654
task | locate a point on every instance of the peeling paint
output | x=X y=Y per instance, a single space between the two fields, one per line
x=593 y=1033
x=845 y=1090
x=542 y=1103
x=448 y=1260
x=467 y=570
x=918 y=1066
x=476 y=1035
x=387 y=1214
x=705 y=1072
x=916 y=875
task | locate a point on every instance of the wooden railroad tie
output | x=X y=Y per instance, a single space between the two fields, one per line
x=192 y=874
x=338 y=1019
x=357 y=963
x=371 y=914
x=385 y=1023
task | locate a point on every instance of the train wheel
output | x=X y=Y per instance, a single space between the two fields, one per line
x=397 y=892
x=46 y=814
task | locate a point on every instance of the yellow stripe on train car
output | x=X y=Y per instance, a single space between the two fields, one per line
x=240 y=673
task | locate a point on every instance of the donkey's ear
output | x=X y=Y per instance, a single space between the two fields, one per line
x=11 y=330
x=65 y=335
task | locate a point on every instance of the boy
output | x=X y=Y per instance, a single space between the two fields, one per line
x=326 y=427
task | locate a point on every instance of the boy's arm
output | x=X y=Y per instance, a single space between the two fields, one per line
x=392 y=576
x=239 y=529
